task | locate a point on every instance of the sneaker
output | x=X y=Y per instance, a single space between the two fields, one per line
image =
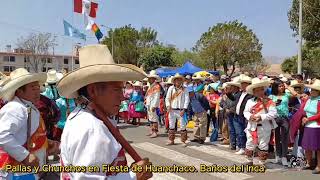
x=194 y=140
x=237 y=149
x=240 y=152
x=284 y=161
x=277 y=160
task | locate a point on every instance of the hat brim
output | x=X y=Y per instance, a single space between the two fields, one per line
x=9 y=89
x=297 y=85
x=73 y=81
x=245 y=81
x=198 y=78
x=251 y=87
x=313 y=87
x=52 y=81
x=153 y=76
x=177 y=77
x=233 y=84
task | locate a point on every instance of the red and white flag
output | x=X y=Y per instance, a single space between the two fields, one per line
x=86 y=7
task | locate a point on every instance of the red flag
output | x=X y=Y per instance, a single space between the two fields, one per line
x=77 y=6
x=93 y=10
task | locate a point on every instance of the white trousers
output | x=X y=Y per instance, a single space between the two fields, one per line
x=152 y=116
x=174 y=115
x=263 y=139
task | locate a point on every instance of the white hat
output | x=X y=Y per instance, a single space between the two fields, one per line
x=169 y=81
x=284 y=79
x=256 y=83
x=198 y=77
x=188 y=77
x=96 y=65
x=281 y=76
x=315 y=85
x=153 y=74
x=19 y=78
x=235 y=82
x=138 y=83
x=176 y=76
x=53 y=77
x=245 y=79
x=295 y=83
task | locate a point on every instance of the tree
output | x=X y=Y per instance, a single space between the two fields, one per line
x=155 y=57
x=180 y=57
x=311 y=20
x=37 y=48
x=129 y=43
x=229 y=45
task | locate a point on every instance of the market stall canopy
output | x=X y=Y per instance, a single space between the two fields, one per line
x=188 y=68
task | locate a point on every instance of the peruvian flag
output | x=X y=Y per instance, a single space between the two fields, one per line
x=86 y=7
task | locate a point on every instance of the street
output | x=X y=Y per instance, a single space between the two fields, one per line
x=195 y=154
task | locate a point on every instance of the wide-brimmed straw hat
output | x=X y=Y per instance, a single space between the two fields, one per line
x=295 y=83
x=177 y=76
x=169 y=81
x=256 y=83
x=245 y=79
x=96 y=65
x=315 y=85
x=137 y=84
x=53 y=77
x=198 y=77
x=235 y=82
x=153 y=74
x=19 y=78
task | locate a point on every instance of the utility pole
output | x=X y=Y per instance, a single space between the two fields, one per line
x=300 y=39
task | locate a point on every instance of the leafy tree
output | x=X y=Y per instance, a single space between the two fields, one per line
x=229 y=45
x=311 y=20
x=180 y=57
x=155 y=57
x=37 y=48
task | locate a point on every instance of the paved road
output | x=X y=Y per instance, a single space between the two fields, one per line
x=195 y=155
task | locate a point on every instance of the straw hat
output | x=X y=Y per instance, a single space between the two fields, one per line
x=315 y=85
x=19 y=78
x=153 y=74
x=137 y=84
x=295 y=83
x=96 y=65
x=244 y=79
x=169 y=81
x=198 y=77
x=256 y=83
x=235 y=82
x=284 y=79
x=176 y=76
x=188 y=77
x=52 y=76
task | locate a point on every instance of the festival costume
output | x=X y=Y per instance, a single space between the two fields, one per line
x=152 y=101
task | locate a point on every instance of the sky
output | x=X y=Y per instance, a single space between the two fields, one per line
x=178 y=22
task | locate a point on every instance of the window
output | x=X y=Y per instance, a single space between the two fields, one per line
x=76 y=61
x=9 y=58
x=66 y=61
x=12 y=59
x=26 y=59
x=44 y=69
x=8 y=68
x=6 y=58
x=49 y=60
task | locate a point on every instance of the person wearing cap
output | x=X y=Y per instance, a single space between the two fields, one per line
x=177 y=101
x=232 y=100
x=86 y=139
x=260 y=113
x=51 y=90
x=311 y=123
x=22 y=132
x=240 y=121
x=152 y=102
x=199 y=105
x=136 y=104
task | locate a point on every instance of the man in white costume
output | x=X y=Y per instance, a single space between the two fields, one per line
x=23 y=138
x=86 y=141
x=260 y=112
x=152 y=101
x=177 y=101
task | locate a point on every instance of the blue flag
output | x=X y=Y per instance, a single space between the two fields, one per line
x=69 y=30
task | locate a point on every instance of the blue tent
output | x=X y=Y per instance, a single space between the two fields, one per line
x=165 y=72
x=188 y=68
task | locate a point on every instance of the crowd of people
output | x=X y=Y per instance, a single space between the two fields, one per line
x=267 y=114
x=57 y=114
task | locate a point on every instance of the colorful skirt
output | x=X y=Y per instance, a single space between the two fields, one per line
x=311 y=139
x=135 y=114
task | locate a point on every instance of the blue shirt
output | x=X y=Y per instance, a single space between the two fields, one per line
x=51 y=93
x=196 y=105
x=62 y=105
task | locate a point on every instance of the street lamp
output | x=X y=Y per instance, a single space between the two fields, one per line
x=112 y=44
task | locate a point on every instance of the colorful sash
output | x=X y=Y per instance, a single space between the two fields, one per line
x=176 y=94
x=155 y=89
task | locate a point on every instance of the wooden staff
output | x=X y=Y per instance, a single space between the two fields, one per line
x=115 y=132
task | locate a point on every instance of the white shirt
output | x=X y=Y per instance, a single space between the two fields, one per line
x=266 y=117
x=13 y=128
x=153 y=100
x=243 y=95
x=86 y=141
x=180 y=102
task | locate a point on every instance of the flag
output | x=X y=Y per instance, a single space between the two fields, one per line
x=69 y=30
x=86 y=7
x=97 y=31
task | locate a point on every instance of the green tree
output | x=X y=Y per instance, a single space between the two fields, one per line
x=155 y=57
x=229 y=45
x=129 y=43
x=311 y=20
x=180 y=57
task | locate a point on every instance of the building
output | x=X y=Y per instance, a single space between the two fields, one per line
x=19 y=58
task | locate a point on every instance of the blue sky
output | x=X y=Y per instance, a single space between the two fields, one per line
x=179 y=22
